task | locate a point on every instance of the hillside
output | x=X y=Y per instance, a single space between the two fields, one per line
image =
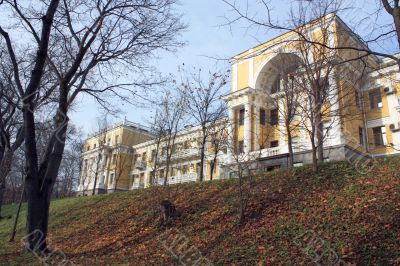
x=357 y=216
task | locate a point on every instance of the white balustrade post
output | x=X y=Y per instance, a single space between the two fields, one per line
x=247 y=128
x=231 y=134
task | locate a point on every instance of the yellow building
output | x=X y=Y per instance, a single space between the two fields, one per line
x=358 y=98
x=107 y=158
x=360 y=113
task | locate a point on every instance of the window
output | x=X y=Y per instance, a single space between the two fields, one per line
x=114 y=158
x=295 y=140
x=375 y=99
x=94 y=146
x=109 y=141
x=277 y=84
x=241 y=117
x=274 y=144
x=185 y=169
x=116 y=139
x=241 y=146
x=379 y=136
x=111 y=178
x=361 y=135
x=153 y=155
x=271 y=168
x=324 y=87
x=262 y=117
x=161 y=173
x=274 y=117
x=144 y=156
x=358 y=99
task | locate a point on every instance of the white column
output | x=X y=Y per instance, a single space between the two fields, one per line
x=102 y=168
x=257 y=135
x=231 y=134
x=247 y=128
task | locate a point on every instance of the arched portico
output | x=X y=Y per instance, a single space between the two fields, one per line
x=269 y=73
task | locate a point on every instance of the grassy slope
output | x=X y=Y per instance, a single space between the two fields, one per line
x=358 y=215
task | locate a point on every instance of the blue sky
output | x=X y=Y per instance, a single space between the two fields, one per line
x=204 y=37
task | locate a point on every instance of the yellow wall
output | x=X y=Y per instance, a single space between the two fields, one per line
x=380 y=149
x=243 y=75
x=376 y=113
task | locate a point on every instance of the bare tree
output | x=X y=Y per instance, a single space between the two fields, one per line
x=204 y=106
x=69 y=172
x=172 y=110
x=158 y=128
x=262 y=16
x=217 y=132
x=117 y=37
x=123 y=161
x=101 y=138
x=313 y=78
x=243 y=165
x=286 y=100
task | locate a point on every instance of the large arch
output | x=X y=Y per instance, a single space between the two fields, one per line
x=270 y=72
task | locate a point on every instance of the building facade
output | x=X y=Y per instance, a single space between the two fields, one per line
x=359 y=109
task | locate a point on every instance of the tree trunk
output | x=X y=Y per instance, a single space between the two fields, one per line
x=201 y=175
x=14 y=229
x=38 y=213
x=2 y=190
x=5 y=167
x=213 y=167
x=290 y=145
x=38 y=189
x=241 y=202
x=202 y=154
x=40 y=182
x=314 y=157
x=319 y=124
x=320 y=142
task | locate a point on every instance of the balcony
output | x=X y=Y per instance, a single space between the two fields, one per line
x=137 y=185
x=178 y=179
x=141 y=164
x=182 y=154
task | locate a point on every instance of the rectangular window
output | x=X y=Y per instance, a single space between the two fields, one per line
x=361 y=135
x=114 y=158
x=375 y=99
x=241 y=146
x=94 y=146
x=274 y=117
x=323 y=84
x=153 y=155
x=185 y=169
x=111 y=178
x=277 y=84
x=379 y=136
x=295 y=140
x=241 y=117
x=358 y=99
x=263 y=118
x=274 y=144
